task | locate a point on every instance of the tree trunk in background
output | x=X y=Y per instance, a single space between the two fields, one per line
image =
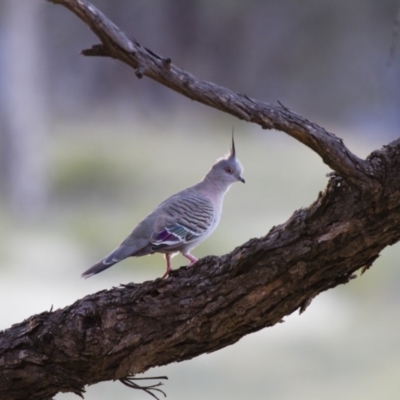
x=24 y=112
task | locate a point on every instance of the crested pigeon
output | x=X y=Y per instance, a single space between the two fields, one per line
x=182 y=221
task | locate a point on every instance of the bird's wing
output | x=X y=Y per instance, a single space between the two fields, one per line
x=188 y=218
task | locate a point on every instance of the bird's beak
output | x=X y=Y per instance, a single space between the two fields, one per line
x=239 y=178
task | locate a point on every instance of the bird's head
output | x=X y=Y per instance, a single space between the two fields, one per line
x=228 y=169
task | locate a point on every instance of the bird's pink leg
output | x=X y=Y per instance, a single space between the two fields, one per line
x=192 y=259
x=168 y=259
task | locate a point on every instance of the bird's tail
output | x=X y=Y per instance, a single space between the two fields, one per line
x=119 y=254
x=99 y=267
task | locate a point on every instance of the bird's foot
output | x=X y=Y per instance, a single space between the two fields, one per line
x=166 y=274
x=192 y=259
x=168 y=270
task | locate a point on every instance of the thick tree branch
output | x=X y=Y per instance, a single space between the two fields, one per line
x=113 y=334
x=127 y=330
x=145 y=62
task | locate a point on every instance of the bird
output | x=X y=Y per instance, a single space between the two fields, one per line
x=182 y=221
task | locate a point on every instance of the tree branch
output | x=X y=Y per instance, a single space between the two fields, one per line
x=145 y=62
x=127 y=330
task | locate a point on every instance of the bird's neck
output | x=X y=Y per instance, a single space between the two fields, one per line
x=215 y=187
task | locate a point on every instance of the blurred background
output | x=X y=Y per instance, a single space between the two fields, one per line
x=87 y=150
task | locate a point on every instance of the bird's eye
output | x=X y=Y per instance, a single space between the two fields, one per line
x=228 y=170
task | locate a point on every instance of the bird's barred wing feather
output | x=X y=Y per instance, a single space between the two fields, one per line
x=189 y=218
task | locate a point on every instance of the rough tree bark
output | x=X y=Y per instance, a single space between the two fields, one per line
x=112 y=334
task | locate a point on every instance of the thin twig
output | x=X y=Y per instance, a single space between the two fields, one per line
x=129 y=381
x=145 y=62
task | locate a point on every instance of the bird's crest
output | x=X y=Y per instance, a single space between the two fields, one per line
x=232 y=153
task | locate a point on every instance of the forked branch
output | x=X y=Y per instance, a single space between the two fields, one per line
x=115 y=44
